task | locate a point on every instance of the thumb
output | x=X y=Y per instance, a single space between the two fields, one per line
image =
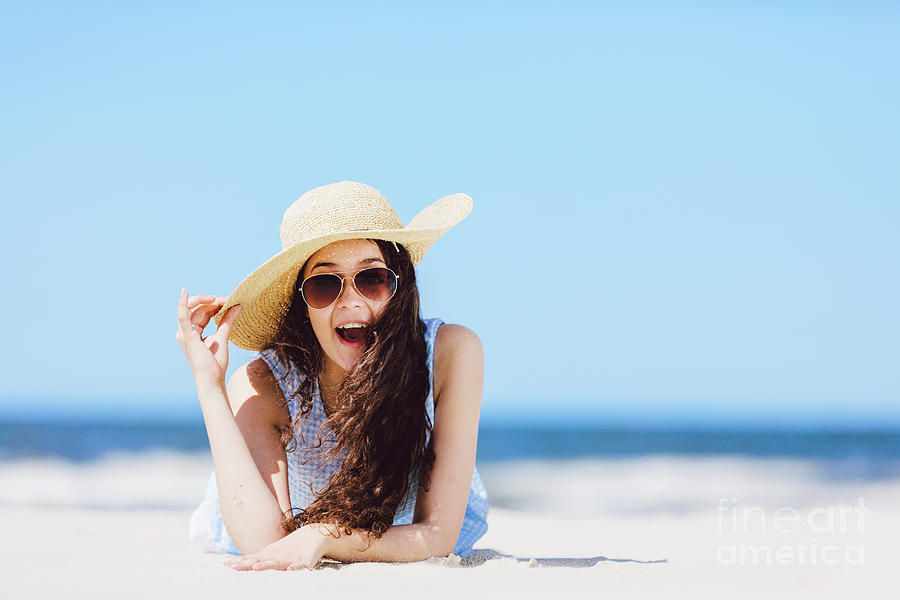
x=227 y=321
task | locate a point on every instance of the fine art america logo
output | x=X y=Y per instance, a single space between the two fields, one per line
x=788 y=536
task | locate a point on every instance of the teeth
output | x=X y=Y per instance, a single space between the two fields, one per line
x=351 y=325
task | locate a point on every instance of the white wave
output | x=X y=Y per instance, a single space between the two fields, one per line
x=665 y=483
x=154 y=479
x=576 y=487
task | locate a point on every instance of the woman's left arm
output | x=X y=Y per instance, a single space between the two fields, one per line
x=439 y=512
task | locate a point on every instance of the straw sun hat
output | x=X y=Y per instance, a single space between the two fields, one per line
x=326 y=214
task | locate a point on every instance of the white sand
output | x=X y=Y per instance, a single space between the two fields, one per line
x=60 y=550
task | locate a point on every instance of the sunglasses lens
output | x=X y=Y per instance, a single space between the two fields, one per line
x=376 y=284
x=321 y=290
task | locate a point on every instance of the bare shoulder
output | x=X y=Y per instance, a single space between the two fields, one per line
x=254 y=391
x=452 y=334
x=458 y=357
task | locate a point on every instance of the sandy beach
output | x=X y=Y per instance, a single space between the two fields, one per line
x=74 y=535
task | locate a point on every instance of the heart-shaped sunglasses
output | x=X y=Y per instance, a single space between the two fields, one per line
x=374 y=283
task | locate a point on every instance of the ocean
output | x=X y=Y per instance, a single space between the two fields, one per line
x=140 y=464
x=877 y=450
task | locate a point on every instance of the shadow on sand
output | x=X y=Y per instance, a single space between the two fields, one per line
x=480 y=556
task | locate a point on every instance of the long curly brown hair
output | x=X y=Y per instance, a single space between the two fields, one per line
x=380 y=423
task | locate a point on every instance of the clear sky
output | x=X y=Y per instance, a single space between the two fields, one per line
x=682 y=210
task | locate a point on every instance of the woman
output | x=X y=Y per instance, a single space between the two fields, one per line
x=345 y=464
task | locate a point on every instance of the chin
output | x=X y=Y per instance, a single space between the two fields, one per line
x=346 y=361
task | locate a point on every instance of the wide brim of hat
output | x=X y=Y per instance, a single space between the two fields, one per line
x=265 y=295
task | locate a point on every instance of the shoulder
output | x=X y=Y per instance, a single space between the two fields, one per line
x=254 y=390
x=458 y=354
x=455 y=337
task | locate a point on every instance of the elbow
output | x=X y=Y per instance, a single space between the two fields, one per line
x=445 y=550
x=436 y=538
x=445 y=542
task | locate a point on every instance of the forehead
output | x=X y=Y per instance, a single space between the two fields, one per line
x=345 y=254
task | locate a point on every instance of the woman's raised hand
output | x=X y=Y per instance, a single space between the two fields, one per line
x=207 y=356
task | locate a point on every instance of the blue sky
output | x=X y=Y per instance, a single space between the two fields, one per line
x=683 y=211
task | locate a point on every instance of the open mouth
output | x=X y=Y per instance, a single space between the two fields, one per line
x=353 y=336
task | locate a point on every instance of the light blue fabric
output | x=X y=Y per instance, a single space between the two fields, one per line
x=207 y=528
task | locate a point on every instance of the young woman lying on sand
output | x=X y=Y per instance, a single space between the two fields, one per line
x=361 y=462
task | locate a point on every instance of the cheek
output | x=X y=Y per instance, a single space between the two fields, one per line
x=322 y=328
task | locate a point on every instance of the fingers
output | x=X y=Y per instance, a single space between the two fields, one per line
x=200 y=318
x=227 y=322
x=240 y=563
x=184 y=314
x=202 y=315
x=255 y=563
x=199 y=299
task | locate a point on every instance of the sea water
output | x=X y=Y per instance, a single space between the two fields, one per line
x=135 y=463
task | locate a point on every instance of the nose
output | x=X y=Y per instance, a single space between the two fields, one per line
x=349 y=296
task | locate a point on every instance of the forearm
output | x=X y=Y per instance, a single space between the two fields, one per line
x=400 y=543
x=250 y=510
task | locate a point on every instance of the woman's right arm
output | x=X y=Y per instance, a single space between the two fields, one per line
x=242 y=423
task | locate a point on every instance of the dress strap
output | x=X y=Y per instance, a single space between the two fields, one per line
x=431 y=329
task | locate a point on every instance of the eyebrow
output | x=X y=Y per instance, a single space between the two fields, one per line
x=364 y=261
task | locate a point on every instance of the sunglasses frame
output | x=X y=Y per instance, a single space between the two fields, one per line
x=352 y=278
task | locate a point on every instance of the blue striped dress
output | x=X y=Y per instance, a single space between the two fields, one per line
x=207 y=529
